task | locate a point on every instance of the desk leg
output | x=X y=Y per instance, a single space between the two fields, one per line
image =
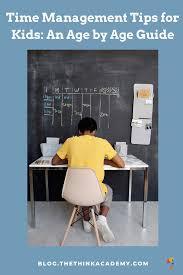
x=130 y=186
x=46 y=185
x=32 y=202
x=145 y=197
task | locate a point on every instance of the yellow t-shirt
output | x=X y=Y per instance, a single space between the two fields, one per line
x=87 y=151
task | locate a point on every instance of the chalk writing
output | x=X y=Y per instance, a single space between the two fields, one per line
x=57 y=99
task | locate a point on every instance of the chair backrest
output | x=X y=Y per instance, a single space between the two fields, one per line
x=81 y=187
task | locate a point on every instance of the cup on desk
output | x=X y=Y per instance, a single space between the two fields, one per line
x=122 y=149
x=48 y=149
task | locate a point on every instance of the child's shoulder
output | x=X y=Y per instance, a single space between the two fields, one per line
x=101 y=140
x=70 y=139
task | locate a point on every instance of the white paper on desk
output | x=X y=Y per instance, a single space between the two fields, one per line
x=52 y=140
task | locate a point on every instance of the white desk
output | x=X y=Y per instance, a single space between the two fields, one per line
x=44 y=163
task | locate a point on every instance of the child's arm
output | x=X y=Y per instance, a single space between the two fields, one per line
x=116 y=161
x=61 y=155
x=58 y=161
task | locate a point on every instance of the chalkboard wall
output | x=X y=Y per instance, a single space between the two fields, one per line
x=64 y=86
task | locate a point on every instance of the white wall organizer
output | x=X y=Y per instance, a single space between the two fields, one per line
x=142 y=114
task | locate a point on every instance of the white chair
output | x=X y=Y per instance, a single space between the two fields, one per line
x=81 y=188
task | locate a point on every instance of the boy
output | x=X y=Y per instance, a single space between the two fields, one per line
x=86 y=150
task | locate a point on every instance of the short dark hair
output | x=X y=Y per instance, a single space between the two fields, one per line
x=87 y=124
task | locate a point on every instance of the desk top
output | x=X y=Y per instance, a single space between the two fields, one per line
x=131 y=162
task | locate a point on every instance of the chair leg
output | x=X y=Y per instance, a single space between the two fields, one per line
x=75 y=216
x=95 y=226
x=69 y=225
x=97 y=208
